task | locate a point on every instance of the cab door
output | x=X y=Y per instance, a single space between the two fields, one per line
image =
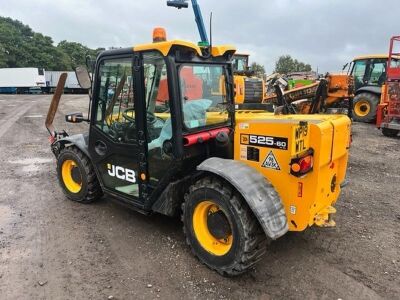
x=116 y=130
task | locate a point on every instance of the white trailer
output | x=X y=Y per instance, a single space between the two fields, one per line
x=71 y=84
x=21 y=80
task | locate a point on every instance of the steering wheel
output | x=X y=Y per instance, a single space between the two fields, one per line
x=126 y=116
x=151 y=117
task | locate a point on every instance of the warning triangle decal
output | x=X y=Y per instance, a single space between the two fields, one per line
x=270 y=162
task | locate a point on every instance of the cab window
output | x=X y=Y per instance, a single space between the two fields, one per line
x=359 y=71
x=240 y=63
x=203 y=95
x=157 y=100
x=377 y=72
x=158 y=116
x=115 y=114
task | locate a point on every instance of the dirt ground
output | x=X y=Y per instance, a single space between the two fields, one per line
x=53 y=248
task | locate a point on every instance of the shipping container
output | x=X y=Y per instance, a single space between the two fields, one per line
x=20 y=80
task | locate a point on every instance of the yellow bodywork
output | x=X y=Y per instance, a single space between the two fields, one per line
x=341 y=86
x=309 y=199
x=239 y=88
x=165 y=47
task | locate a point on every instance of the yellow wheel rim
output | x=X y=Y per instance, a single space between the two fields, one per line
x=66 y=171
x=362 y=108
x=209 y=242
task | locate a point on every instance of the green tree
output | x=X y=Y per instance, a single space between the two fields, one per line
x=258 y=69
x=286 y=64
x=15 y=38
x=45 y=54
x=77 y=52
x=22 y=47
x=3 y=57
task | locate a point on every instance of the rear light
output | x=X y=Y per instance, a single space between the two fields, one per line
x=301 y=165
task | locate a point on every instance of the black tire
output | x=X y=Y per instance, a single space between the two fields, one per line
x=365 y=102
x=248 y=239
x=390 y=132
x=90 y=190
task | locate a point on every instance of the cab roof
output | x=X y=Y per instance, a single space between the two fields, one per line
x=372 y=56
x=165 y=47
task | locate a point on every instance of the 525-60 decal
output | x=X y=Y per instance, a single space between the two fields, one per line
x=264 y=141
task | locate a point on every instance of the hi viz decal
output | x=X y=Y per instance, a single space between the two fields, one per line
x=270 y=162
x=121 y=173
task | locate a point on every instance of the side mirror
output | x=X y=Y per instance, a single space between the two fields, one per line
x=83 y=77
x=75 y=118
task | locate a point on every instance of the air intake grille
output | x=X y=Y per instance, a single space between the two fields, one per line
x=253 y=90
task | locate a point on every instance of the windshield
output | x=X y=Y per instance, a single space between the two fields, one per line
x=203 y=92
x=240 y=63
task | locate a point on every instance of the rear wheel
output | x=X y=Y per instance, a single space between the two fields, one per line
x=390 y=132
x=220 y=228
x=364 y=107
x=77 y=176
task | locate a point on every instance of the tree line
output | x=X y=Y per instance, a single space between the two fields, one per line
x=284 y=65
x=20 y=47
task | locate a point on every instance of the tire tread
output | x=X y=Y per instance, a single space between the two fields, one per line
x=255 y=239
x=94 y=191
x=373 y=100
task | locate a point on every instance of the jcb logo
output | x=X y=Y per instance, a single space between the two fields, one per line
x=244 y=139
x=121 y=173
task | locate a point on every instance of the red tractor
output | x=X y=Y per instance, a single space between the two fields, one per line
x=388 y=115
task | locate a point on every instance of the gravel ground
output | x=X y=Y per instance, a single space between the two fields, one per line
x=53 y=248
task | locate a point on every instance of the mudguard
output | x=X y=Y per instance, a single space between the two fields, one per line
x=259 y=194
x=81 y=141
x=371 y=89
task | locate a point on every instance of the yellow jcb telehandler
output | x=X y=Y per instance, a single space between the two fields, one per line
x=237 y=177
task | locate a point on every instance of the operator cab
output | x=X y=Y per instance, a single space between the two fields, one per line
x=152 y=106
x=240 y=62
x=370 y=70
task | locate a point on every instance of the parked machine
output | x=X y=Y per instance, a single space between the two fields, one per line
x=248 y=87
x=237 y=177
x=332 y=94
x=369 y=72
x=388 y=113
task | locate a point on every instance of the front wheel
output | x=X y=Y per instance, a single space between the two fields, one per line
x=77 y=176
x=364 y=107
x=220 y=228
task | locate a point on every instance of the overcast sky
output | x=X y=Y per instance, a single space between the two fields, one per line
x=325 y=34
